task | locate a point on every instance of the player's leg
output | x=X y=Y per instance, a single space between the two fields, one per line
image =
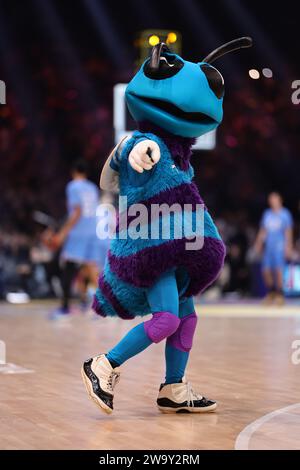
x=82 y=281
x=279 y=265
x=279 y=297
x=94 y=255
x=71 y=259
x=268 y=279
x=87 y=284
x=176 y=394
x=68 y=273
x=93 y=274
x=100 y=374
x=268 y=275
x=279 y=279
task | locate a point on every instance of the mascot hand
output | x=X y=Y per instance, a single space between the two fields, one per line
x=144 y=155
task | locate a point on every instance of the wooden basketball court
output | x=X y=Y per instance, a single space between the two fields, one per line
x=242 y=357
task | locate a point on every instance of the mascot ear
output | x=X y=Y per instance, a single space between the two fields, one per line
x=155 y=55
x=231 y=46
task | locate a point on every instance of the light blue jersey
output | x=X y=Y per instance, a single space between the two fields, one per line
x=275 y=224
x=82 y=244
x=85 y=194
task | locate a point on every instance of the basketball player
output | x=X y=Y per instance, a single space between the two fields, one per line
x=274 y=241
x=77 y=236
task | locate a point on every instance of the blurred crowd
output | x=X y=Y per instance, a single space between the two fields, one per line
x=42 y=133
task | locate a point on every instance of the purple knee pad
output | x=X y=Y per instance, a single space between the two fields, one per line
x=182 y=339
x=161 y=325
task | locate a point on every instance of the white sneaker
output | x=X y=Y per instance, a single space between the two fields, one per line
x=100 y=380
x=181 y=398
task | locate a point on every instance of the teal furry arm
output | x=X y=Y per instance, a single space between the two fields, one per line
x=109 y=178
x=144 y=155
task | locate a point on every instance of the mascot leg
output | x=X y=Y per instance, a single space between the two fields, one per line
x=176 y=395
x=163 y=300
x=178 y=345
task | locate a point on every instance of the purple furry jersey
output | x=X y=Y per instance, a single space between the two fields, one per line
x=133 y=265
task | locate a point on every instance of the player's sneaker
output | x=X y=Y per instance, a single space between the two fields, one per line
x=100 y=379
x=269 y=298
x=60 y=314
x=181 y=398
x=279 y=299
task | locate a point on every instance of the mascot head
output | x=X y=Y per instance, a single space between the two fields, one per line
x=184 y=98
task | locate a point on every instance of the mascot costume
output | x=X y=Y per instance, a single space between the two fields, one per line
x=173 y=101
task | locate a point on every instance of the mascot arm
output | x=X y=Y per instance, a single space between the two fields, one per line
x=144 y=155
x=109 y=178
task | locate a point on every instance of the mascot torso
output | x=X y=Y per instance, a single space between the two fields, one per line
x=135 y=264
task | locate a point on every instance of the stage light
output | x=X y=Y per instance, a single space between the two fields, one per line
x=148 y=38
x=253 y=73
x=153 y=40
x=172 y=37
x=267 y=73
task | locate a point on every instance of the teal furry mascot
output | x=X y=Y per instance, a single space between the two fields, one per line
x=173 y=101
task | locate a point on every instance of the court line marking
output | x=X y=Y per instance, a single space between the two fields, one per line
x=9 y=369
x=243 y=439
x=247 y=311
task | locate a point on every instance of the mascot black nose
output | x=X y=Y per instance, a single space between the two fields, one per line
x=162 y=63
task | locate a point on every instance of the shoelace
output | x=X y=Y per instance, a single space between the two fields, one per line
x=191 y=395
x=112 y=381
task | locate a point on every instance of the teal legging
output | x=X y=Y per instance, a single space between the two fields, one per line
x=164 y=296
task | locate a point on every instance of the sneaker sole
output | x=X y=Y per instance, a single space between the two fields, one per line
x=89 y=388
x=204 y=409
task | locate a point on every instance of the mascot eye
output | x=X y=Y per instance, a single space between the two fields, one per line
x=215 y=79
x=169 y=65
